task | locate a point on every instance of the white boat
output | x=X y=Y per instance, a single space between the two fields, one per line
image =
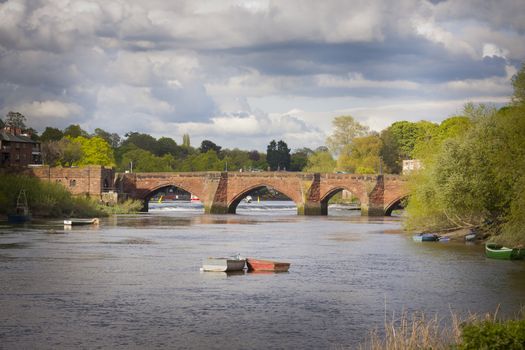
x=78 y=222
x=248 y=199
x=223 y=264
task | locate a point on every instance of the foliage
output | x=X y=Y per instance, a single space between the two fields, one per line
x=278 y=155
x=475 y=177
x=2 y=124
x=489 y=334
x=363 y=157
x=166 y=145
x=236 y=159
x=95 y=151
x=208 y=161
x=15 y=120
x=518 y=83
x=186 y=140
x=299 y=159
x=128 y=206
x=207 y=145
x=74 y=130
x=46 y=199
x=51 y=134
x=70 y=152
x=346 y=128
x=143 y=141
x=144 y=161
x=320 y=162
x=113 y=139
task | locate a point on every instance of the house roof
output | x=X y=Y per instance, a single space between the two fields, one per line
x=5 y=136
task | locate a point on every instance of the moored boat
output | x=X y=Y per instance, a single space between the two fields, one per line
x=78 y=222
x=497 y=251
x=223 y=264
x=425 y=237
x=266 y=265
x=22 y=213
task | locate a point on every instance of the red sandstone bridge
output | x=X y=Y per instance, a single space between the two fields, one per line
x=221 y=192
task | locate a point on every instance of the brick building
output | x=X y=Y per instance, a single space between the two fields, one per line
x=18 y=150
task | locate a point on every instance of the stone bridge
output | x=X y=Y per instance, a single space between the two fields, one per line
x=221 y=192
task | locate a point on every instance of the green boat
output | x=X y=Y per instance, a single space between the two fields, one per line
x=497 y=251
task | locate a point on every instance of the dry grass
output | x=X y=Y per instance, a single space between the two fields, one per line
x=417 y=331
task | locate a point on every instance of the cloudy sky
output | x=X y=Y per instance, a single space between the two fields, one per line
x=241 y=73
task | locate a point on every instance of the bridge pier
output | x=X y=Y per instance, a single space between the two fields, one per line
x=313 y=209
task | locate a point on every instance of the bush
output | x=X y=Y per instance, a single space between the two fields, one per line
x=509 y=335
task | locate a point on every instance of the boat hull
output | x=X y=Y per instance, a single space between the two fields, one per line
x=223 y=264
x=79 y=222
x=426 y=237
x=267 y=265
x=495 y=251
x=18 y=219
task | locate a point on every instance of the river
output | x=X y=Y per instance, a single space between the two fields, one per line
x=134 y=281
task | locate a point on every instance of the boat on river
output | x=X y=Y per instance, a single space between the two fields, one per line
x=497 y=251
x=80 y=222
x=266 y=265
x=229 y=264
x=426 y=237
x=22 y=213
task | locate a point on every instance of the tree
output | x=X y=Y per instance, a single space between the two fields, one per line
x=278 y=155
x=70 y=152
x=364 y=156
x=167 y=145
x=51 y=134
x=208 y=161
x=15 y=120
x=518 y=83
x=1 y=124
x=143 y=141
x=51 y=152
x=74 y=130
x=144 y=161
x=186 y=140
x=208 y=145
x=95 y=151
x=320 y=162
x=346 y=128
x=254 y=155
x=299 y=159
x=113 y=139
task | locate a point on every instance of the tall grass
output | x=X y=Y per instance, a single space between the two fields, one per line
x=417 y=331
x=45 y=199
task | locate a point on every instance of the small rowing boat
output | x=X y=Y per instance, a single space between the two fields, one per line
x=266 y=265
x=78 y=222
x=235 y=263
x=497 y=251
x=425 y=237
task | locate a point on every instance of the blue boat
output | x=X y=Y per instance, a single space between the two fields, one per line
x=425 y=237
x=22 y=213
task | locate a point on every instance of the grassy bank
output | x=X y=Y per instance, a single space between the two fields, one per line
x=416 y=331
x=50 y=200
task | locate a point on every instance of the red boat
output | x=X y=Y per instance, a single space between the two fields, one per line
x=266 y=265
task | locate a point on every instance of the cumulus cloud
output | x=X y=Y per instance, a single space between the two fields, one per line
x=244 y=72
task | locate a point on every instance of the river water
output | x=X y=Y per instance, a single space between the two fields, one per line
x=134 y=281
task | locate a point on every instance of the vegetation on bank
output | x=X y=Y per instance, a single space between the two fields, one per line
x=417 y=331
x=51 y=200
x=474 y=174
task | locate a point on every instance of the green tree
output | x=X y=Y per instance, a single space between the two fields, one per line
x=364 y=156
x=208 y=161
x=144 y=161
x=345 y=129
x=95 y=151
x=237 y=159
x=74 y=130
x=320 y=161
x=299 y=159
x=278 y=155
x=186 y=140
x=51 y=134
x=518 y=83
x=70 y=152
x=167 y=145
x=113 y=139
x=143 y=141
x=207 y=145
x=15 y=120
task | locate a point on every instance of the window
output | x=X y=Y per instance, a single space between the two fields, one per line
x=72 y=183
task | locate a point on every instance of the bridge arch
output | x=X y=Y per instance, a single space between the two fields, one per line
x=154 y=190
x=394 y=204
x=234 y=202
x=333 y=191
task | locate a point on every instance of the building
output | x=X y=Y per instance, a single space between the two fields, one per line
x=18 y=150
x=409 y=165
